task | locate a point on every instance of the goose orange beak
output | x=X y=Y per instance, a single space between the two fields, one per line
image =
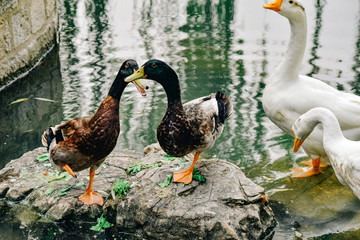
x=297 y=142
x=276 y=5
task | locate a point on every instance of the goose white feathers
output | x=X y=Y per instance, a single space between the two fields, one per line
x=287 y=94
x=344 y=154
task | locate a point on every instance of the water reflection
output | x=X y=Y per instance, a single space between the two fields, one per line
x=83 y=44
x=225 y=45
x=319 y=5
x=21 y=124
x=355 y=85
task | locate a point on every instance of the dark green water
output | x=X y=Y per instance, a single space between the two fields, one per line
x=225 y=45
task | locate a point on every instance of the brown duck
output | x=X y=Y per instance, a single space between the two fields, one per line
x=192 y=127
x=86 y=141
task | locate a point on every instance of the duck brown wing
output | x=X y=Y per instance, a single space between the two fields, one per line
x=70 y=127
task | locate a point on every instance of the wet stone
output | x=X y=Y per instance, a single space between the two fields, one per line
x=225 y=206
x=3 y=189
x=216 y=209
x=18 y=192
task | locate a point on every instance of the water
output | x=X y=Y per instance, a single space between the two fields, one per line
x=225 y=45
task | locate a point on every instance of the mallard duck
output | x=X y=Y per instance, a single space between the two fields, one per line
x=86 y=141
x=344 y=154
x=287 y=94
x=192 y=127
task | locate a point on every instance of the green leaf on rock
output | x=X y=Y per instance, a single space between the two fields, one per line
x=49 y=191
x=62 y=194
x=43 y=157
x=66 y=189
x=198 y=176
x=135 y=167
x=63 y=175
x=154 y=165
x=80 y=184
x=120 y=187
x=101 y=224
x=56 y=179
x=167 y=182
x=168 y=158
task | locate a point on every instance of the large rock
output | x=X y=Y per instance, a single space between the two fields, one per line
x=226 y=206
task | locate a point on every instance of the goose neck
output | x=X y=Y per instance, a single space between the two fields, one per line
x=292 y=61
x=331 y=128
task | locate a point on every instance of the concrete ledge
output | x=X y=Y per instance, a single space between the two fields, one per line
x=28 y=30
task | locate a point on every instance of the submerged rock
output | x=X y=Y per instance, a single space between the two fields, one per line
x=227 y=205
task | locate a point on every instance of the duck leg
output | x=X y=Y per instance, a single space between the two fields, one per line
x=90 y=197
x=186 y=176
x=307 y=171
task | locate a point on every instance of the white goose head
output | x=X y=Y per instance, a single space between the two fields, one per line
x=302 y=128
x=287 y=8
x=306 y=123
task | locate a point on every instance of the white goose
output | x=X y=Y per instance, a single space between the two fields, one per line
x=344 y=154
x=287 y=94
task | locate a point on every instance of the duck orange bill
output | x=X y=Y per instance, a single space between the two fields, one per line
x=276 y=5
x=69 y=170
x=297 y=144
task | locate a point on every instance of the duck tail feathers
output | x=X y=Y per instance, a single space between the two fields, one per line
x=224 y=106
x=47 y=137
x=50 y=135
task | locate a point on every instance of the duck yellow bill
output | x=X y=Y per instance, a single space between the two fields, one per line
x=276 y=5
x=136 y=75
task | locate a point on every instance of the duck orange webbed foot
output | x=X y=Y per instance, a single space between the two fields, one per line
x=183 y=176
x=187 y=175
x=90 y=197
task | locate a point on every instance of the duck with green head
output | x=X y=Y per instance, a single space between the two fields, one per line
x=185 y=128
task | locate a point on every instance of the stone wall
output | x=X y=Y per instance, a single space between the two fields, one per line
x=28 y=30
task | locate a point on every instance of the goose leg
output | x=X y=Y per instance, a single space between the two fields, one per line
x=90 y=197
x=311 y=161
x=307 y=171
x=186 y=176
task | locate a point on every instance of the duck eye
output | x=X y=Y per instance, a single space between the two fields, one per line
x=126 y=65
x=291 y=2
x=154 y=65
